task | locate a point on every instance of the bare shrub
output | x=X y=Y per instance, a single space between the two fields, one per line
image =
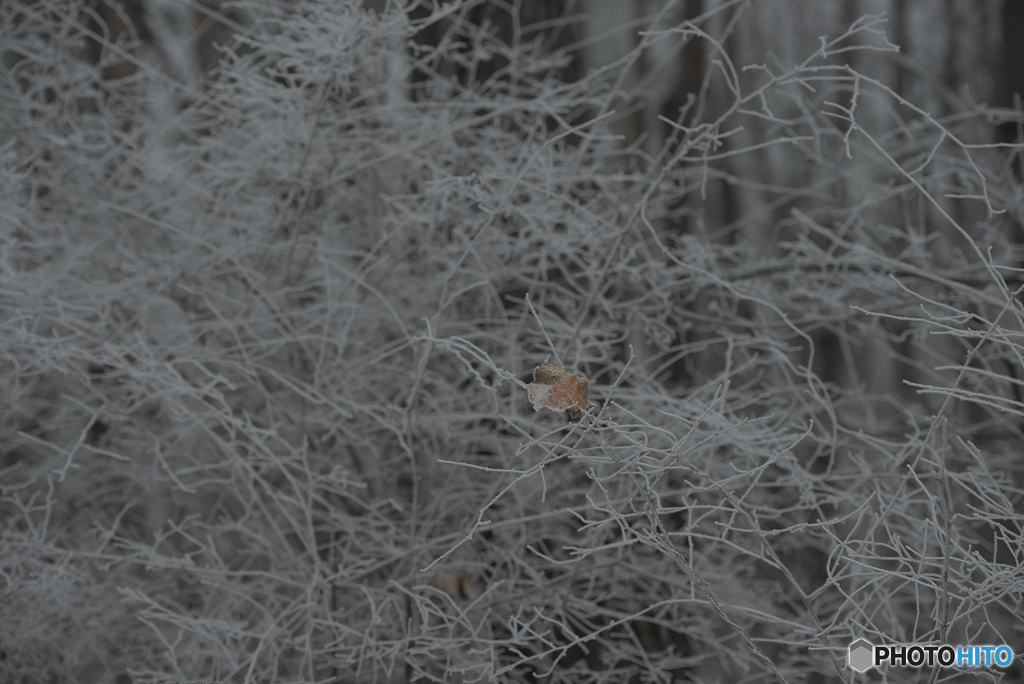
x=267 y=330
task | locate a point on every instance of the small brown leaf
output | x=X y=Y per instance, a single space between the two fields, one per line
x=459 y=585
x=556 y=389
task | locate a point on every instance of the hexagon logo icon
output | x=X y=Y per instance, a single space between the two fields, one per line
x=861 y=653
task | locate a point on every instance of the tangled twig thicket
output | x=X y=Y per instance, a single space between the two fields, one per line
x=265 y=334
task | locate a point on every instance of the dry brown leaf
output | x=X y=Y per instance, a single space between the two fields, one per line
x=556 y=389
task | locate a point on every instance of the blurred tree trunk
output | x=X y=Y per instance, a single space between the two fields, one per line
x=119 y=23
x=115 y=32
x=1010 y=75
x=513 y=24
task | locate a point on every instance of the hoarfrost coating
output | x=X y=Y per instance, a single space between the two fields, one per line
x=274 y=278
